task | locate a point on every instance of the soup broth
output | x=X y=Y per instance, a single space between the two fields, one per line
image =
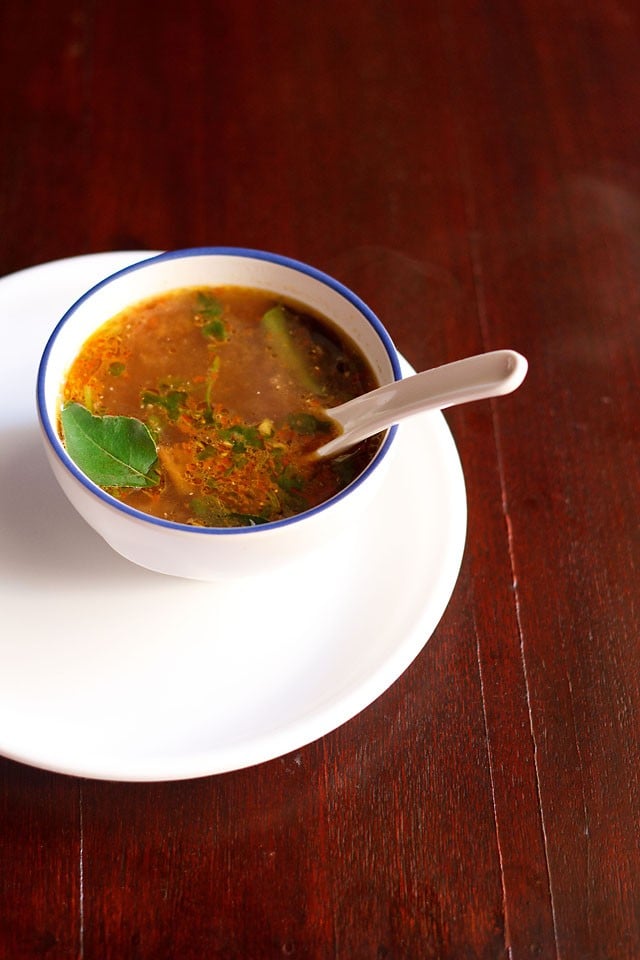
x=223 y=390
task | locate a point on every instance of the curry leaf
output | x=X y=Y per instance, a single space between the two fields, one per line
x=112 y=451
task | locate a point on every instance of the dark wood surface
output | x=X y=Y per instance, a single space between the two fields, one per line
x=472 y=170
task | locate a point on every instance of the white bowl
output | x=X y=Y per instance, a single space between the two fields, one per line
x=210 y=553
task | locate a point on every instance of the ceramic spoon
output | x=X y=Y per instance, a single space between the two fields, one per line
x=474 y=378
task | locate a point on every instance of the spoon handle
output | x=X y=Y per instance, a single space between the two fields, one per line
x=486 y=375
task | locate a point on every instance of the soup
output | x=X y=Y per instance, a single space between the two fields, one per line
x=204 y=406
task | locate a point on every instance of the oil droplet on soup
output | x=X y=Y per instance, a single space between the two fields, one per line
x=231 y=384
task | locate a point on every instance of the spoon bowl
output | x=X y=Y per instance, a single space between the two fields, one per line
x=480 y=377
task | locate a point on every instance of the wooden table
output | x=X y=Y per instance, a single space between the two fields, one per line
x=472 y=170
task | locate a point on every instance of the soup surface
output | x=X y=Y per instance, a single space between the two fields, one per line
x=203 y=406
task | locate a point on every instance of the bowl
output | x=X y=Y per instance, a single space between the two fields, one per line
x=211 y=553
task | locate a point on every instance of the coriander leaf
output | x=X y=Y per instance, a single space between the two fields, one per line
x=112 y=451
x=172 y=401
x=290 y=480
x=206 y=452
x=211 y=310
x=215 y=328
x=241 y=437
x=212 y=512
x=208 y=304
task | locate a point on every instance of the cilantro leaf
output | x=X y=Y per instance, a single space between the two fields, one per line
x=172 y=401
x=211 y=310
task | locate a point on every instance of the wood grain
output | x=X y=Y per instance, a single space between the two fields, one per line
x=472 y=171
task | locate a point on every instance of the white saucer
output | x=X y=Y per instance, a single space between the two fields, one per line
x=113 y=672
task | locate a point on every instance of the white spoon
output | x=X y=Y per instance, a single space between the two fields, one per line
x=474 y=378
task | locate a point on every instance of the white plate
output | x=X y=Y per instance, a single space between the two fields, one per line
x=111 y=671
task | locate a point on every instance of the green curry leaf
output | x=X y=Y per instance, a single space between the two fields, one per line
x=112 y=451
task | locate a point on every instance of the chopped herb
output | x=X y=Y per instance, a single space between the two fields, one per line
x=240 y=437
x=116 y=368
x=215 y=329
x=290 y=480
x=206 y=453
x=173 y=401
x=210 y=309
x=214 y=514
